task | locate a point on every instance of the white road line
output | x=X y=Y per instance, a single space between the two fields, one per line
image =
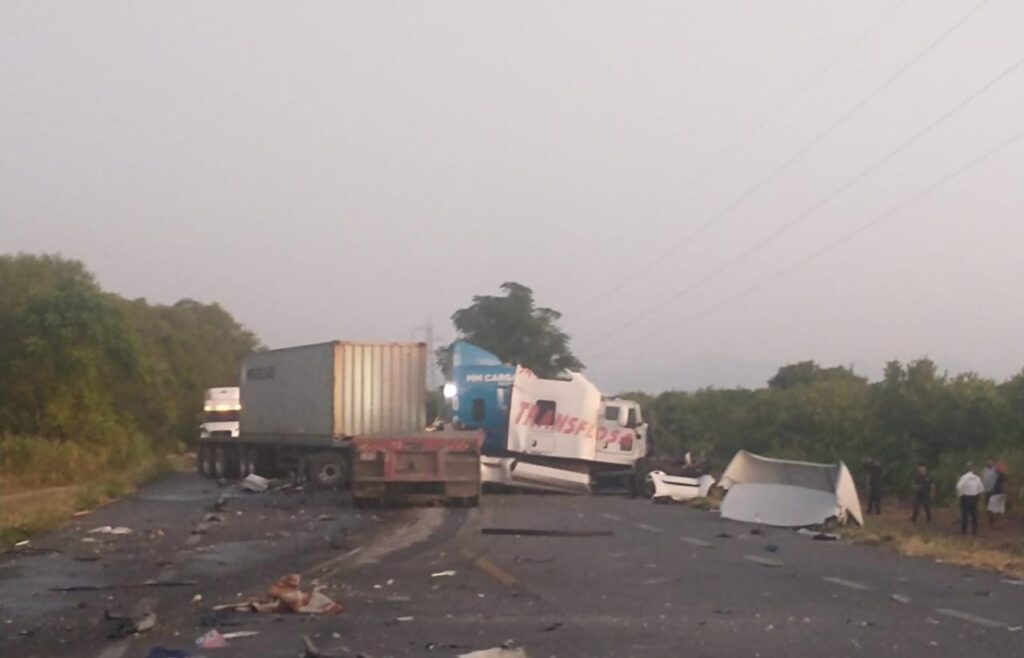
x=966 y=616
x=613 y=517
x=696 y=542
x=763 y=561
x=852 y=584
x=648 y=528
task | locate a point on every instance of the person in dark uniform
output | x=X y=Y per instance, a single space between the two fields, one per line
x=924 y=489
x=873 y=468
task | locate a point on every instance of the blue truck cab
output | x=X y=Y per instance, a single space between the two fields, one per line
x=479 y=393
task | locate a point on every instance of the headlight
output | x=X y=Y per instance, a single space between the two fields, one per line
x=450 y=390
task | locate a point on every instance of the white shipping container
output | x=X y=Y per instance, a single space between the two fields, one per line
x=334 y=390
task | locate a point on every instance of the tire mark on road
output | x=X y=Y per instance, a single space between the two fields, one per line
x=852 y=584
x=975 y=619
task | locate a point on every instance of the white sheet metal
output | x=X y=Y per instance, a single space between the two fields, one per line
x=788 y=493
x=680 y=488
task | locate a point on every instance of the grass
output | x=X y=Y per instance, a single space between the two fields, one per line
x=999 y=548
x=29 y=512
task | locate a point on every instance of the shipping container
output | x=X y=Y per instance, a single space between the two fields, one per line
x=319 y=393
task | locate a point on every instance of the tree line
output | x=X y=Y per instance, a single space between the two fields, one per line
x=914 y=414
x=90 y=380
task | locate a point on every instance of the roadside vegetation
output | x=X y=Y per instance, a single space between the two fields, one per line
x=94 y=388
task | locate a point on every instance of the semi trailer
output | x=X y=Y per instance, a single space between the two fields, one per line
x=345 y=415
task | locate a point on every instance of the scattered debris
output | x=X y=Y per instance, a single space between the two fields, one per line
x=825 y=536
x=554 y=626
x=900 y=598
x=219 y=505
x=932 y=621
x=539 y=532
x=1013 y=582
x=313 y=652
x=325 y=517
x=406 y=618
x=161 y=652
x=1014 y=629
x=82 y=512
x=724 y=535
x=213 y=518
x=197 y=599
x=23 y=542
x=443 y=574
x=286 y=596
x=255 y=484
x=496 y=652
x=756 y=531
x=771 y=548
x=239 y=634
x=107 y=530
x=211 y=640
x=127 y=626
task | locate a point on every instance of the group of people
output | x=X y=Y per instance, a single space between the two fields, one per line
x=990 y=486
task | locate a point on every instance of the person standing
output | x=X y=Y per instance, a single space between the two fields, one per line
x=988 y=477
x=968 y=488
x=874 y=472
x=997 y=496
x=924 y=489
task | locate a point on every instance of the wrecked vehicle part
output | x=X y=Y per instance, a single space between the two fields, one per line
x=788 y=493
x=678 y=488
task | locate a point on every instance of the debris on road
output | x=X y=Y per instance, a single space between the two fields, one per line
x=125 y=626
x=678 y=488
x=496 y=652
x=554 y=626
x=900 y=598
x=110 y=530
x=211 y=640
x=540 y=532
x=771 y=548
x=161 y=652
x=406 y=618
x=239 y=634
x=286 y=596
x=443 y=574
x=818 y=535
x=254 y=483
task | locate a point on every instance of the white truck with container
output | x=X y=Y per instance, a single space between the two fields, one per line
x=346 y=415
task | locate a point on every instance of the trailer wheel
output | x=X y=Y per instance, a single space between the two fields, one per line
x=246 y=461
x=329 y=470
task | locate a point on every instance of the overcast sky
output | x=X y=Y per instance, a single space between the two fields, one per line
x=355 y=169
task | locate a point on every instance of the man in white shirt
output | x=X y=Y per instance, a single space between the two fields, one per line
x=969 y=488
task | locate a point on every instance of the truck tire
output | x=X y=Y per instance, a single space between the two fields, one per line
x=219 y=462
x=246 y=461
x=328 y=470
x=202 y=460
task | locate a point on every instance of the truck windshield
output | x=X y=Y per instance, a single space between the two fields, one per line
x=220 y=416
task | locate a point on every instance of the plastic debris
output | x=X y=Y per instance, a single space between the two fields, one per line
x=496 y=652
x=239 y=634
x=161 y=652
x=286 y=596
x=23 y=542
x=406 y=618
x=211 y=640
x=255 y=483
x=107 y=530
x=126 y=626
x=443 y=574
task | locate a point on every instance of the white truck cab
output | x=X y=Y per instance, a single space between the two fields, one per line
x=221 y=410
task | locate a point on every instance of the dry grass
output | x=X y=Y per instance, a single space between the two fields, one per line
x=29 y=512
x=999 y=548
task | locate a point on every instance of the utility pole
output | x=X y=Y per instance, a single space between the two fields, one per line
x=427 y=330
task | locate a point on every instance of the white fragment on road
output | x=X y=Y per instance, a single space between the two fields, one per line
x=763 y=561
x=613 y=517
x=974 y=619
x=443 y=574
x=1013 y=582
x=901 y=598
x=693 y=541
x=648 y=528
x=852 y=584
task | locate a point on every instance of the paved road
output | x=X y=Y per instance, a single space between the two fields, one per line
x=668 y=580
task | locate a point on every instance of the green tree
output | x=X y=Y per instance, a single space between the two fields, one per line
x=514 y=328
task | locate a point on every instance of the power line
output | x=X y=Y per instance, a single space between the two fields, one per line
x=786 y=164
x=821 y=203
x=779 y=109
x=838 y=242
